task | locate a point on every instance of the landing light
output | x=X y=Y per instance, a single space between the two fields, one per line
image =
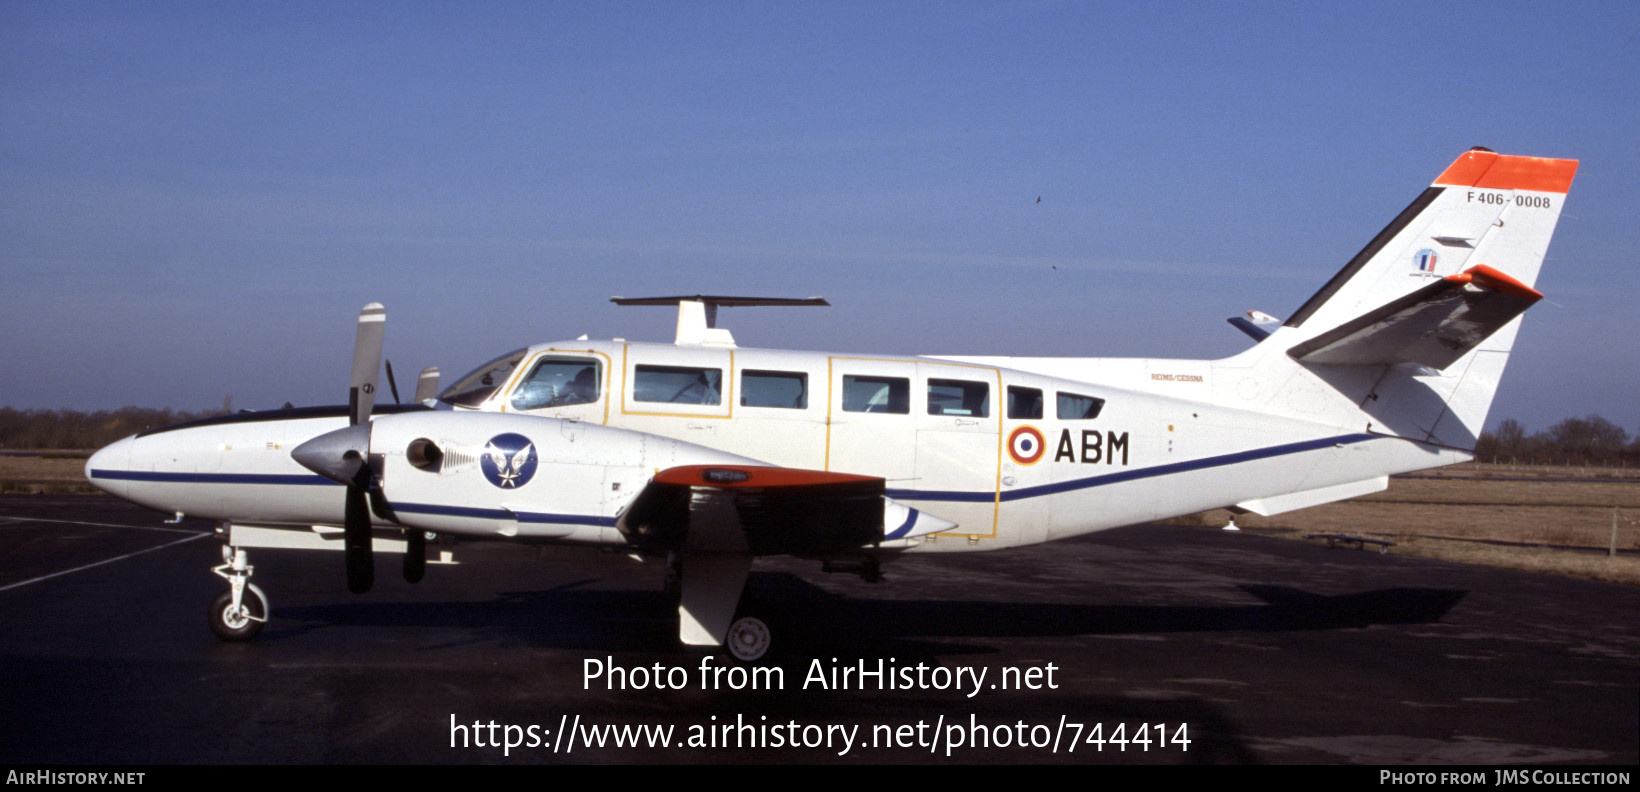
x=725 y=476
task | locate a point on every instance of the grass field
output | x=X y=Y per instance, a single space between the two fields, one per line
x=49 y=472
x=1544 y=519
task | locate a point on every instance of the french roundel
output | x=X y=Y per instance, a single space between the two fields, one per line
x=1025 y=445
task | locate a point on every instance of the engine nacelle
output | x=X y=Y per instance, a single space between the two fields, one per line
x=517 y=475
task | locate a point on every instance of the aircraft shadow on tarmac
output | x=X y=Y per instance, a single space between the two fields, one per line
x=571 y=616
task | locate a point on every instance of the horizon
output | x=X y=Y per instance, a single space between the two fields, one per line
x=1493 y=422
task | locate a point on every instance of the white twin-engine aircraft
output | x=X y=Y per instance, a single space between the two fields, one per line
x=707 y=454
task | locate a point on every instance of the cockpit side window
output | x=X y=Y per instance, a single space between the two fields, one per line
x=557 y=382
x=481 y=383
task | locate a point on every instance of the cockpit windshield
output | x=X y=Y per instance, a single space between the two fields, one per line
x=481 y=383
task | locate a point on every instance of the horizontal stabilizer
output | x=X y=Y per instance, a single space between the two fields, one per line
x=1257 y=324
x=1292 y=501
x=723 y=301
x=1433 y=326
x=697 y=314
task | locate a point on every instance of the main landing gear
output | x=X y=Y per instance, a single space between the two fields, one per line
x=711 y=611
x=238 y=613
x=749 y=639
x=715 y=613
x=716 y=609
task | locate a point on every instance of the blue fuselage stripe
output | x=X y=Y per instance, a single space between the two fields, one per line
x=212 y=478
x=949 y=496
x=1131 y=475
x=503 y=514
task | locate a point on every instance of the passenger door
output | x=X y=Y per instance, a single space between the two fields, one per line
x=959 y=419
x=870 y=429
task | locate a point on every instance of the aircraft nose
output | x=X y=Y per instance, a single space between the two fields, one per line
x=103 y=469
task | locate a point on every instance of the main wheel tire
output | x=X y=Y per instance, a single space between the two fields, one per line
x=749 y=639
x=231 y=625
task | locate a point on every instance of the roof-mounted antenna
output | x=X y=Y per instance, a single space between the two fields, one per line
x=697 y=314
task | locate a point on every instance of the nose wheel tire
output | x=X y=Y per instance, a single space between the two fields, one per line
x=242 y=623
x=749 y=639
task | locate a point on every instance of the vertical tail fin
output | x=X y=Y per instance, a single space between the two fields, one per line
x=1417 y=326
x=1486 y=208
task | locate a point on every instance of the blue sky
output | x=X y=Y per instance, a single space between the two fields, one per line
x=199 y=197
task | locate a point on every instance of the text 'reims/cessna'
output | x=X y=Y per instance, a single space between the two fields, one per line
x=707 y=454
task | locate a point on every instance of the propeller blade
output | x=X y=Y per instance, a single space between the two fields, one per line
x=391 y=385
x=427 y=384
x=367 y=361
x=361 y=562
x=343 y=456
x=415 y=555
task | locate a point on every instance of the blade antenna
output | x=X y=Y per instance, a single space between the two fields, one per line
x=391 y=385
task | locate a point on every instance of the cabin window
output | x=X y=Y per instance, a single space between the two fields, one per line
x=1079 y=408
x=1024 y=402
x=876 y=394
x=478 y=385
x=958 y=397
x=557 y=382
x=789 y=389
x=677 y=384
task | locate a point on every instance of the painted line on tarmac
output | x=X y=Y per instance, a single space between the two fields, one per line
x=15 y=520
x=106 y=561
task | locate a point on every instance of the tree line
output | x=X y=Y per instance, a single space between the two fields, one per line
x=48 y=429
x=1591 y=440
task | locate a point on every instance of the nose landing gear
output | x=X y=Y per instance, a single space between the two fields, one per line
x=238 y=613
